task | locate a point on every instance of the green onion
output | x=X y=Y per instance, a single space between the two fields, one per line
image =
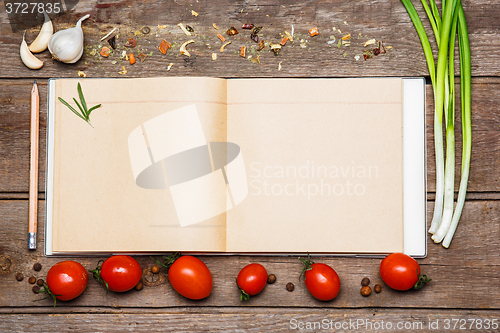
x=445 y=220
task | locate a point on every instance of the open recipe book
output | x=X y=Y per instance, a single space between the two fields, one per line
x=333 y=166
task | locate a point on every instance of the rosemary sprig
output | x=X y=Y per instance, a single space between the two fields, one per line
x=85 y=113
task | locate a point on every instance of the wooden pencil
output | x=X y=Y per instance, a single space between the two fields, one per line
x=33 y=189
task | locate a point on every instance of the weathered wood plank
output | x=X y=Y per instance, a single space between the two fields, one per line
x=485 y=166
x=464 y=276
x=384 y=20
x=257 y=320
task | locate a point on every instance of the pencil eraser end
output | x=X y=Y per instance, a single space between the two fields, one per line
x=32 y=241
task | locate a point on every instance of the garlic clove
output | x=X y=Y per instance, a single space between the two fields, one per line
x=27 y=57
x=67 y=45
x=42 y=40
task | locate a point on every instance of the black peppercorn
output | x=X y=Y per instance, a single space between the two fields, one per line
x=37 y=267
x=36 y=289
x=139 y=286
x=19 y=277
x=155 y=269
x=366 y=291
x=377 y=288
x=290 y=286
x=365 y=281
x=271 y=278
x=39 y=282
x=32 y=280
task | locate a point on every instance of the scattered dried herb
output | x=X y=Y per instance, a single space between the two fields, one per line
x=221 y=37
x=283 y=41
x=367 y=54
x=85 y=113
x=132 y=42
x=142 y=57
x=314 y=32
x=262 y=45
x=247 y=26
x=145 y=30
x=254 y=36
x=242 y=51
x=164 y=46
x=131 y=58
x=276 y=48
x=112 y=42
x=232 y=31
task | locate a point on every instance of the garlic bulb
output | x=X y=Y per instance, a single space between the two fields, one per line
x=28 y=58
x=67 y=45
x=42 y=40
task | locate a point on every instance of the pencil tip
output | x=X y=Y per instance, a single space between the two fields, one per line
x=35 y=82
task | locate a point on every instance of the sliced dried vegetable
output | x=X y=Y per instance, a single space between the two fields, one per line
x=314 y=32
x=142 y=57
x=221 y=37
x=131 y=58
x=242 y=51
x=276 y=48
x=224 y=45
x=247 y=26
x=183 y=49
x=105 y=52
x=164 y=46
x=262 y=45
x=132 y=42
x=283 y=41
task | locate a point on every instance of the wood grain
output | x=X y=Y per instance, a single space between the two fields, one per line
x=382 y=20
x=464 y=276
x=252 y=320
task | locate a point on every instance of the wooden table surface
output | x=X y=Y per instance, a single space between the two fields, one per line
x=466 y=279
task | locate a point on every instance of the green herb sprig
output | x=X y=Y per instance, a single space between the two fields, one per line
x=85 y=113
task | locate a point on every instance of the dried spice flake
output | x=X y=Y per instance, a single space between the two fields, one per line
x=170 y=66
x=369 y=42
x=221 y=37
x=123 y=72
x=247 y=26
x=262 y=45
x=110 y=33
x=254 y=36
x=232 y=31
x=279 y=65
x=290 y=37
x=224 y=45
x=283 y=41
x=112 y=42
x=142 y=57
x=131 y=59
x=276 y=48
x=80 y=74
x=314 y=32
x=105 y=52
x=132 y=42
x=183 y=28
x=183 y=49
x=214 y=56
x=189 y=28
x=346 y=37
x=215 y=26
x=195 y=14
x=242 y=51
x=255 y=60
x=164 y=46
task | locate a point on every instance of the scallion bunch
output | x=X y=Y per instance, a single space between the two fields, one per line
x=445 y=27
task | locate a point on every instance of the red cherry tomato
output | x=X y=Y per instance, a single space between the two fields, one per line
x=190 y=277
x=321 y=280
x=252 y=279
x=67 y=280
x=401 y=272
x=120 y=273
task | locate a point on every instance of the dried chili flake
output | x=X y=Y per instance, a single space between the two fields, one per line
x=105 y=52
x=132 y=42
x=112 y=42
x=195 y=14
x=314 y=32
x=82 y=74
x=367 y=54
x=124 y=71
x=283 y=41
x=290 y=37
x=242 y=51
x=164 y=46
x=262 y=45
x=142 y=57
x=215 y=26
x=346 y=37
x=247 y=26
x=131 y=58
x=254 y=36
x=276 y=48
x=170 y=66
x=232 y=31
x=223 y=46
x=221 y=37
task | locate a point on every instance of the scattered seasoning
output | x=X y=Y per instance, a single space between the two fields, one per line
x=283 y=41
x=105 y=52
x=271 y=278
x=110 y=33
x=32 y=280
x=184 y=29
x=170 y=66
x=19 y=277
x=279 y=65
x=365 y=281
x=346 y=37
x=369 y=42
x=112 y=42
x=242 y=51
x=39 y=282
x=37 y=267
x=124 y=55
x=221 y=37
x=276 y=48
x=189 y=28
x=145 y=30
x=367 y=54
x=214 y=56
x=132 y=42
x=114 y=62
x=183 y=49
x=215 y=26
x=247 y=26
x=164 y=46
x=232 y=31
x=224 y=45
x=131 y=59
x=142 y=57
x=123 y=71
x=356 y=57
x=339 y=43
x=255 y=60
x=254 y=36
x=36 y=289
x=366 y=291
x=195 y=14
x=290 y=286
x=290 y=37
x=262 y=45
x=379 y=49
x=332 y=40
x=314 y=32
x=139 y=286
x=137 y=33
x=377 y=288
x=346 y=43
x=81 y=74
x=162 y=26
